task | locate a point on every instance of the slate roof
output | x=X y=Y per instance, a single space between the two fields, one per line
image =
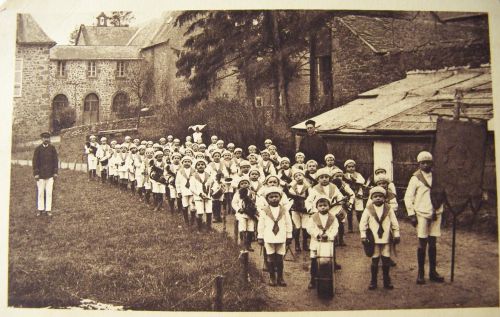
x=158 y=31
x=72 y=52
x=386 y=35
x=412 y=104
x=104 y=35
x=29 y=32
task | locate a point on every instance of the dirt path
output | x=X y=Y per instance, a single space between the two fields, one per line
x=475 y=285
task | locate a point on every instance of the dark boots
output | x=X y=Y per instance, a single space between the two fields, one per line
x=185 y=215
x=296 y=237
x=272 y=272
x=248 y=240
x=433 y=275
x=209 y=221
x=148 y=196
x=305 y=236
x=279 y=267
x=266 y=268
x=199 y=222
x=171 y=205
x=349 y=220
x=216 y=207
x=374 y=271
x=341 y=242
x=421 y=266
x=386 y=265
x=193 y=217
x=314 y=271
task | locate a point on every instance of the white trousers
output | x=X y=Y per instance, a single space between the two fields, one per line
x=44 y=201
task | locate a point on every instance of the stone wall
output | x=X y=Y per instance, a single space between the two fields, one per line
x=356 y=68
x=76 y=85
x=32 y=111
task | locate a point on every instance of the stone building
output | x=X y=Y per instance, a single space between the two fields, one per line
x=32 y=111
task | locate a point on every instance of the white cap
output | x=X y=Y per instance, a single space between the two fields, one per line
x=103 y=139
x=378 y=189
x=158 y=153
x=329 y=155
x=424 y=156
x=163 y=140
x=323 y=171
x=272 y=190
x=349 y=162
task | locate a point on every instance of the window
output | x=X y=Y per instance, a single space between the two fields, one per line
x=18 y=78
x=120 y=69
x=91 y=69
x=258 y=102
x=61 y=68
x=120 y=102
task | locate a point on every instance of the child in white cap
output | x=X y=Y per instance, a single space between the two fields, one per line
x=200 y=184
x=149 y=156
x=381 y=220
x=246 y=211
x=424 y=216
x=103 y=154
x=285 y=173
x=356 y=182
x=299 y=161
x=275 y=233
x=266 y=164
x=346 y=191
x=123 y=167
x=132 y=157
x=172 y=169
x=158 y=180
x=140 y=168
x=182 y=188
x=298 y=192
x=91 y=148
x=323 y=226
x=310 y=174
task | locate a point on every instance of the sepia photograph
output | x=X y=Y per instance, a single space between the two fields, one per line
x=249 y=159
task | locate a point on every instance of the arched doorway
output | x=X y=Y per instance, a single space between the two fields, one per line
x=90 y=109
x=59 y=105
x=120 y=105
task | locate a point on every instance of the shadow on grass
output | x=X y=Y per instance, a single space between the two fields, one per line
x=105 y=245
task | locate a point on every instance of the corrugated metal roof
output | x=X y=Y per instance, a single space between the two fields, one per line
x=71 y=52
x=411 y=104
x=29 y=32
x=105 y=35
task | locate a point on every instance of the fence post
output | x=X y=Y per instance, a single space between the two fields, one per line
x=235 y=230
x=218 y=293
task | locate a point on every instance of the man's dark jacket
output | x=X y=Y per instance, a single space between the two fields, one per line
x=314 y=148
x=45 y=161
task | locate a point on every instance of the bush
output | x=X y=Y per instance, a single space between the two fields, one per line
x=66 y=118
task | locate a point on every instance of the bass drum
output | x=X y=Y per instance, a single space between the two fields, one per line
x=325 y=275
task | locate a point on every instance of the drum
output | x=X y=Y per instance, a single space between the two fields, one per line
x=325 y=274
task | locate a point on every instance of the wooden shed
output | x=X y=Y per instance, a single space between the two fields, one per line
x=389 y=125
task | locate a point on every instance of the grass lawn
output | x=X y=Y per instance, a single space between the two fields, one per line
x=104 y=245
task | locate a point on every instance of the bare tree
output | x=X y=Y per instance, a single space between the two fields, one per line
x=140 y=83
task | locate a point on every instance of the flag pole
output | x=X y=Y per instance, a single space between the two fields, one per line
x=456 y=116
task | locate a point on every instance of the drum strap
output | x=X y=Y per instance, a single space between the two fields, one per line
x=318 y=223
x=418 y=174
x=269 y=213
x=373 y=213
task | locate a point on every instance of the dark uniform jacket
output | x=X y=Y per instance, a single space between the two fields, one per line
x=314 y=148
x=45 y=161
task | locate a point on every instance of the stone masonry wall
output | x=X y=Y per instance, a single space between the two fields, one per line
x=356 y=68
x=31 y=112
x=76 y=86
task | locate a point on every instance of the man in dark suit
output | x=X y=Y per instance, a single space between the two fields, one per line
x=45 y=167
x=312 y=145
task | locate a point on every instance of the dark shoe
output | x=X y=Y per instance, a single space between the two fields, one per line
x=435 y=277
x=281 y=282
x=373 y=281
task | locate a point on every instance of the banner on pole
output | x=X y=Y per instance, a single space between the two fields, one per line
x=459 y=152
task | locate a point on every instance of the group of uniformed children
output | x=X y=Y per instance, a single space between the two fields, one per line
x=274 y=201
